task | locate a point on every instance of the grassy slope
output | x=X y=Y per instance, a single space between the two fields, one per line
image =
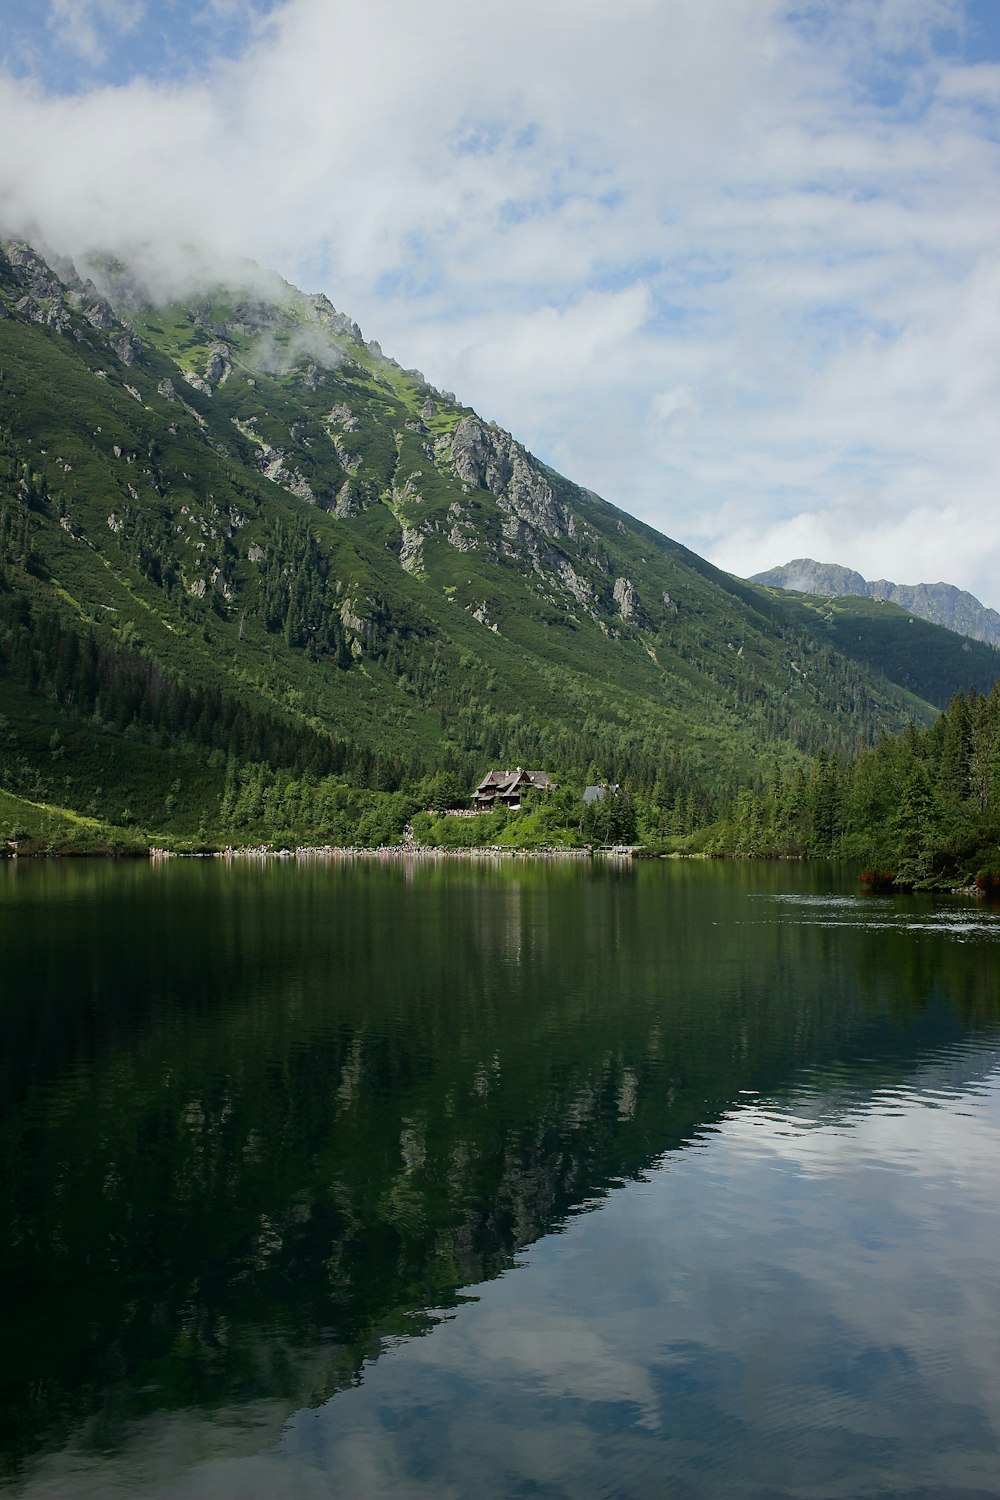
x=40 y=828
x=933 y=663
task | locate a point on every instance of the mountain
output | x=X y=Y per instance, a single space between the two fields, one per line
x=255 y=575
x=927 y=659
x=941 y=603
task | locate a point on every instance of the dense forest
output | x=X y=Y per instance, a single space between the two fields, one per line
x=919 y=808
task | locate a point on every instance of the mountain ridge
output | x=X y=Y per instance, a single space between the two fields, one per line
x=941 y=603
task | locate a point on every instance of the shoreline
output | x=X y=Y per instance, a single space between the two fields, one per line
x=402 y=854
x=386 y=853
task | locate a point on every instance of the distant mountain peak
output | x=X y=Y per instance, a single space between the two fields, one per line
x=941 y=603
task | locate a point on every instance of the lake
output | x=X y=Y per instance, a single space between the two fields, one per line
x=519 y=1180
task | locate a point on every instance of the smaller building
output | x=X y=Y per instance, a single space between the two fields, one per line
x=596 y=793
x=505 y=788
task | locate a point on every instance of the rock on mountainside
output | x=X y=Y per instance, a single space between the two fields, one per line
x=941 y=603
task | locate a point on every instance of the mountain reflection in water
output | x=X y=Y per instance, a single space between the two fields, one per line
x=263 y=1125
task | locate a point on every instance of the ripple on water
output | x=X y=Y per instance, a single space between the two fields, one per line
x=880 y=914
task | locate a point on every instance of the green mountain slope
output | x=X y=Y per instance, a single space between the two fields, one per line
x=233 y=533
x=932 y=662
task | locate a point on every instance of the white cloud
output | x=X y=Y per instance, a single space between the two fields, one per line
x=739 y=276
x=981 y=80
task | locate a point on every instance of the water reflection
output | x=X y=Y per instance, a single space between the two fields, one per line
x=265 y=1125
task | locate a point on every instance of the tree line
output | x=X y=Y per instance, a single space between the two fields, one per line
x=920 y=808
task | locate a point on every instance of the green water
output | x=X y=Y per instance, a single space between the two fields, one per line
x=516 y=1180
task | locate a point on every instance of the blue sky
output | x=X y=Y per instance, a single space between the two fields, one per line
x=71 y=46
x=731 y=263
x=82 y=44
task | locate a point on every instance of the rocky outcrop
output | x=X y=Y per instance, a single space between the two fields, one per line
x=352 y=499
x=462 y=536
x=411 y=550
x=59 y=299
x=351 y=620
x=98 y=313
x=337 y=323
x=218 y=367
x=127 y=346
x=627 y=601
x=359 y=629
x=461 y=541
x=519 y=540
x=217 y=370
x=221 y=584
x=405 y=493
x=349 y=462
x=571 y=580
x=487 y=458
x=42 y=297
x=276 y=468
x=50 y=315
x=482 y=614
x=274 y=464
x=474 y=458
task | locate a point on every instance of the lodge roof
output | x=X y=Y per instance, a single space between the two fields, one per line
x=503 y=783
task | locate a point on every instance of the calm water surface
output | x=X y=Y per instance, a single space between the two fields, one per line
x=532 y=1180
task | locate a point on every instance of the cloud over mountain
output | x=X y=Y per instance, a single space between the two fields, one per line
x=731 y=264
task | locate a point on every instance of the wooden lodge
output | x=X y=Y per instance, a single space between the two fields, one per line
x=505 y=788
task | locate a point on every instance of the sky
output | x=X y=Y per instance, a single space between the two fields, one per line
x=732 y=264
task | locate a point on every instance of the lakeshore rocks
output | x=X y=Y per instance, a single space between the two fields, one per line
x=387 y=853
